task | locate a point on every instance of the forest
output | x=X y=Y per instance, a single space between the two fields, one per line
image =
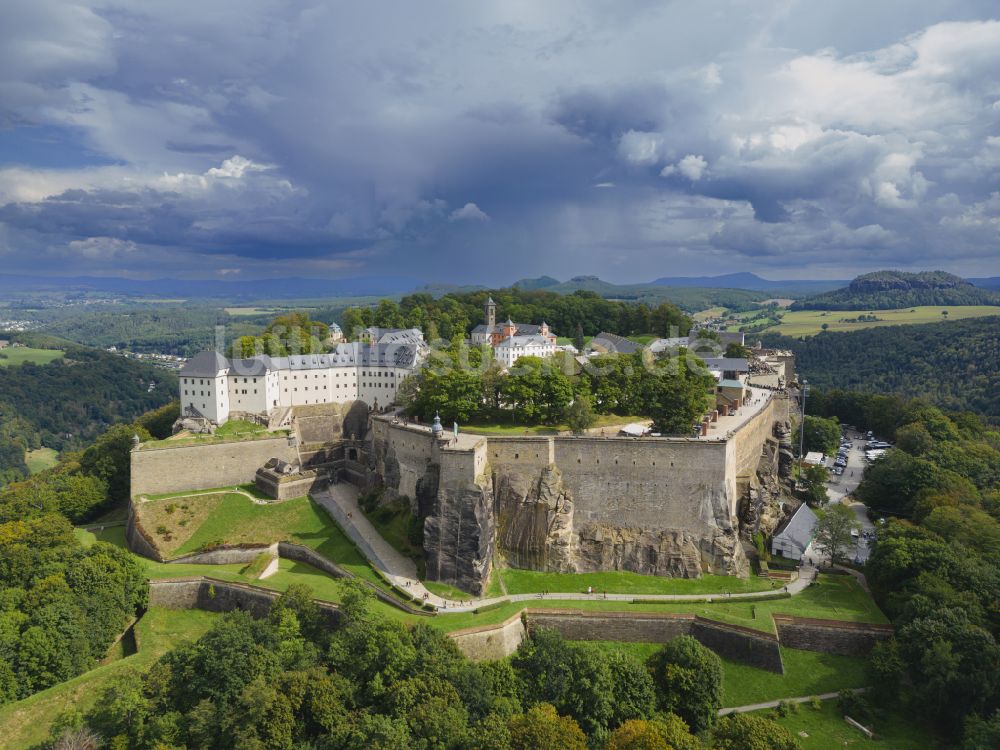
x=955 y=365
x=934 y=568
x=673 y=391
x=66 y=404
x=183 y=331
x=892 y=290
x=456 y=314
x=290 y=682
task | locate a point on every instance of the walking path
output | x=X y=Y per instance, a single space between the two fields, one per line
x=774 y=704
x=340 y=501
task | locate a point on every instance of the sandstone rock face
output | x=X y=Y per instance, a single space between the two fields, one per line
x=535 y=521
x=786 y=458
x=673 y=553
x=458 y=537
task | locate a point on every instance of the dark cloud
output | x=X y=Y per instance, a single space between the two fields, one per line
x=630 y=140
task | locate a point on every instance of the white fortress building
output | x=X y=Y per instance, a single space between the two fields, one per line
x=214 y=387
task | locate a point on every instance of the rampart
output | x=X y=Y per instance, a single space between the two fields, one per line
x=664 y=506
x=221 y=596
x=753 y=647
x=491 y=642
x=830 y=636
x=159 y=470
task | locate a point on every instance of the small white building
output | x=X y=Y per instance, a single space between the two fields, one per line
x=813 y=458
x=795 y=534
x=512 y=348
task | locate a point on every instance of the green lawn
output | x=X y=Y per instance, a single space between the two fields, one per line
x=806 y=673
x=832 y=597
x=239 y=520
x=25 y=723
x=825 y=729
x=809 y=322
x=41 y=459
x=18 y=355
x=232 y=431
x=619 y=582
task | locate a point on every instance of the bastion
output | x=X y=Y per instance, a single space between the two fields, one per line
x=654 y=505
x=664 y=506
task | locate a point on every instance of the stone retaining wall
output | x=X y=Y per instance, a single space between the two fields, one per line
x=491 y=642
x=221 y=596
x=225 y=556
x=137 y=540
x=747 y=646
x=830 y=636
x=165 y=468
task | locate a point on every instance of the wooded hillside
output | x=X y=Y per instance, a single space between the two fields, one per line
x=955 y=365
x=892 y=290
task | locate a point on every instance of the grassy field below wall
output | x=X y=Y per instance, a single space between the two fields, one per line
x=622 y=582
x=806 y=673
x=18 y=355
x=810 y=322
x=825 y=729
x=25 y=724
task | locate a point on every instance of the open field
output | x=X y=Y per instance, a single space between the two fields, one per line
x=806 y=673
x=622 y=582
x=237 y=312
x=826 y=730
x=41 y=459
x=26 y=723
x=712 y=312
x=18 y=355
x=809 y=322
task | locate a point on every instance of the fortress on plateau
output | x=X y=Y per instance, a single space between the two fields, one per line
x=670 y=506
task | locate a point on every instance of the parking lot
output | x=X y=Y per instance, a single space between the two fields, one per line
x=839 y=490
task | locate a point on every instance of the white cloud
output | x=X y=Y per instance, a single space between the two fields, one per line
x=640 y=148
x=468 y=212
x=691 y=166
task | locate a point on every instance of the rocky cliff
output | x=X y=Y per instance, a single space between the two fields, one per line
x=535 y=521
x=459 y=536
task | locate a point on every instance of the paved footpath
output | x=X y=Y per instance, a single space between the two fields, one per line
x=774 y=704
x=341 y=502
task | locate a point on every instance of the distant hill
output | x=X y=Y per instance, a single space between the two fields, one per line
x=253 y=289
x=752 y=282
x=542 y=282
x=890 y=290
x=990 y=282
x=955 y=365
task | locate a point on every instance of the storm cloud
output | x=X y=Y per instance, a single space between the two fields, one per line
x=485 y=142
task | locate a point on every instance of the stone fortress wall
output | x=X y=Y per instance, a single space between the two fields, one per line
x=666 y=506
x=157 y=470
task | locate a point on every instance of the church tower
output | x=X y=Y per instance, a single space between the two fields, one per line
x=491 y=312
